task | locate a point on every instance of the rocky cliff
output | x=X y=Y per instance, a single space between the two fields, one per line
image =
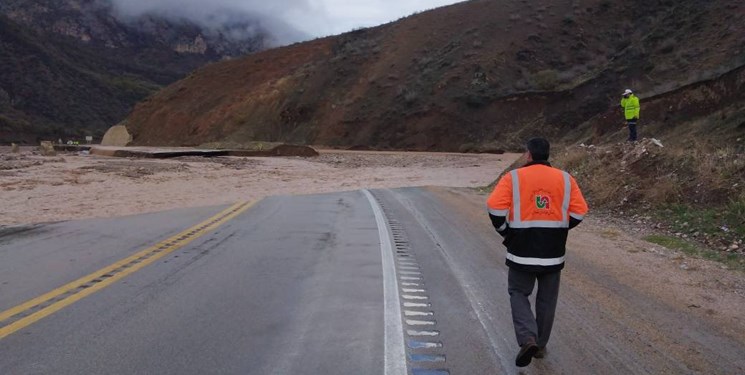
x=72 y=67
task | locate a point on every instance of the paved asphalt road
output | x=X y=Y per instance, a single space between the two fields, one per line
x=393 y=282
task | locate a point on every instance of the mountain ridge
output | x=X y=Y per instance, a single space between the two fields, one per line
x=474 y=73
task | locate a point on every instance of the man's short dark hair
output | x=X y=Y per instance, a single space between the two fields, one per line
x=539 y=149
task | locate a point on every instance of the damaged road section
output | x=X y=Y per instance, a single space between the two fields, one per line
x=175 y=152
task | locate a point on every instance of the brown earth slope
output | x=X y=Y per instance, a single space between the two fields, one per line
x=482 y=72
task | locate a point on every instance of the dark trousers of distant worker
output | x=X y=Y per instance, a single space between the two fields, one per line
x=520 y=286
x=632 y=129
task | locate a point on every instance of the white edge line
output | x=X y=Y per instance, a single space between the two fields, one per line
x=394 y=349
x=463 y=278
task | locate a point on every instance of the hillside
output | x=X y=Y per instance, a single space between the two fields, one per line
x=71 y=68
x=472 y=74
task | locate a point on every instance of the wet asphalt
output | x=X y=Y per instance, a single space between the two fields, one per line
x=294 y=285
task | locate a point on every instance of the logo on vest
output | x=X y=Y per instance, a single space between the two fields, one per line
x=542 y=202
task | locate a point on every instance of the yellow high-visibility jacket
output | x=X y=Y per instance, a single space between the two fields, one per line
x=631 y=107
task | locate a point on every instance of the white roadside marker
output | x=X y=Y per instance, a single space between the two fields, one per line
x=416 y=304
x=412 y=332
x=418 y=313
x=413 y=322
x=408 y=296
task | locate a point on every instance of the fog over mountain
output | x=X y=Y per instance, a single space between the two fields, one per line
x=74 y=67
x=287 y=20
x=220 y=15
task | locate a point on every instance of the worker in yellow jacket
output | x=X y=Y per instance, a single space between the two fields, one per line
x=630 y=105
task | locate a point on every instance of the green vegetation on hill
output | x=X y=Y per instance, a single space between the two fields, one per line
x=53 y=87
x=47 y=81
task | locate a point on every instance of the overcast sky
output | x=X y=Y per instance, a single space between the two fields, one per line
x=312 y=18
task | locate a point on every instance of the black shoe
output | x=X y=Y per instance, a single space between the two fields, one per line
x=525 y=355
x=540 y=353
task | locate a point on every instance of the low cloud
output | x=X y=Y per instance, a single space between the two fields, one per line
x=286 y=20
x=237 y=19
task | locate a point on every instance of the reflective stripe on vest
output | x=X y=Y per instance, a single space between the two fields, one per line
x=535 y=261
x=517 y=221
x=498 y=212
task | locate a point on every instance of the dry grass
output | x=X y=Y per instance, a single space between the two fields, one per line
x=667 y=190
x=696 y=189
x=623 y=174
x=611 y=234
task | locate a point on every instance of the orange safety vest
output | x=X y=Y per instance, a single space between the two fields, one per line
x=538 y=203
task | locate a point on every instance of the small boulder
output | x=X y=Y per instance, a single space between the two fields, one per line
x=117 y=136
x=14 y=148
x=47 y=149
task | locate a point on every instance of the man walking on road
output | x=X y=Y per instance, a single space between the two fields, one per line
x=631 y=109
x=533 y=208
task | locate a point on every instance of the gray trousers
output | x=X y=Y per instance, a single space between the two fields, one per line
x=520 y=286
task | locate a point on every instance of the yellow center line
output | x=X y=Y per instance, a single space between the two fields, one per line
x=113 y=273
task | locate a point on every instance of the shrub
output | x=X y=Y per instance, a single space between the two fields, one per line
x=475 y=100
x=521 y=85
x=546 y=79
x=667 y=47
x=410 y=97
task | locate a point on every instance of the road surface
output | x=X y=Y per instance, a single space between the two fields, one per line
x=381 y=282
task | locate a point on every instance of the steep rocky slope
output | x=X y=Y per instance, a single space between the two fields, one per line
x=71 y=67
x=483 y=72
